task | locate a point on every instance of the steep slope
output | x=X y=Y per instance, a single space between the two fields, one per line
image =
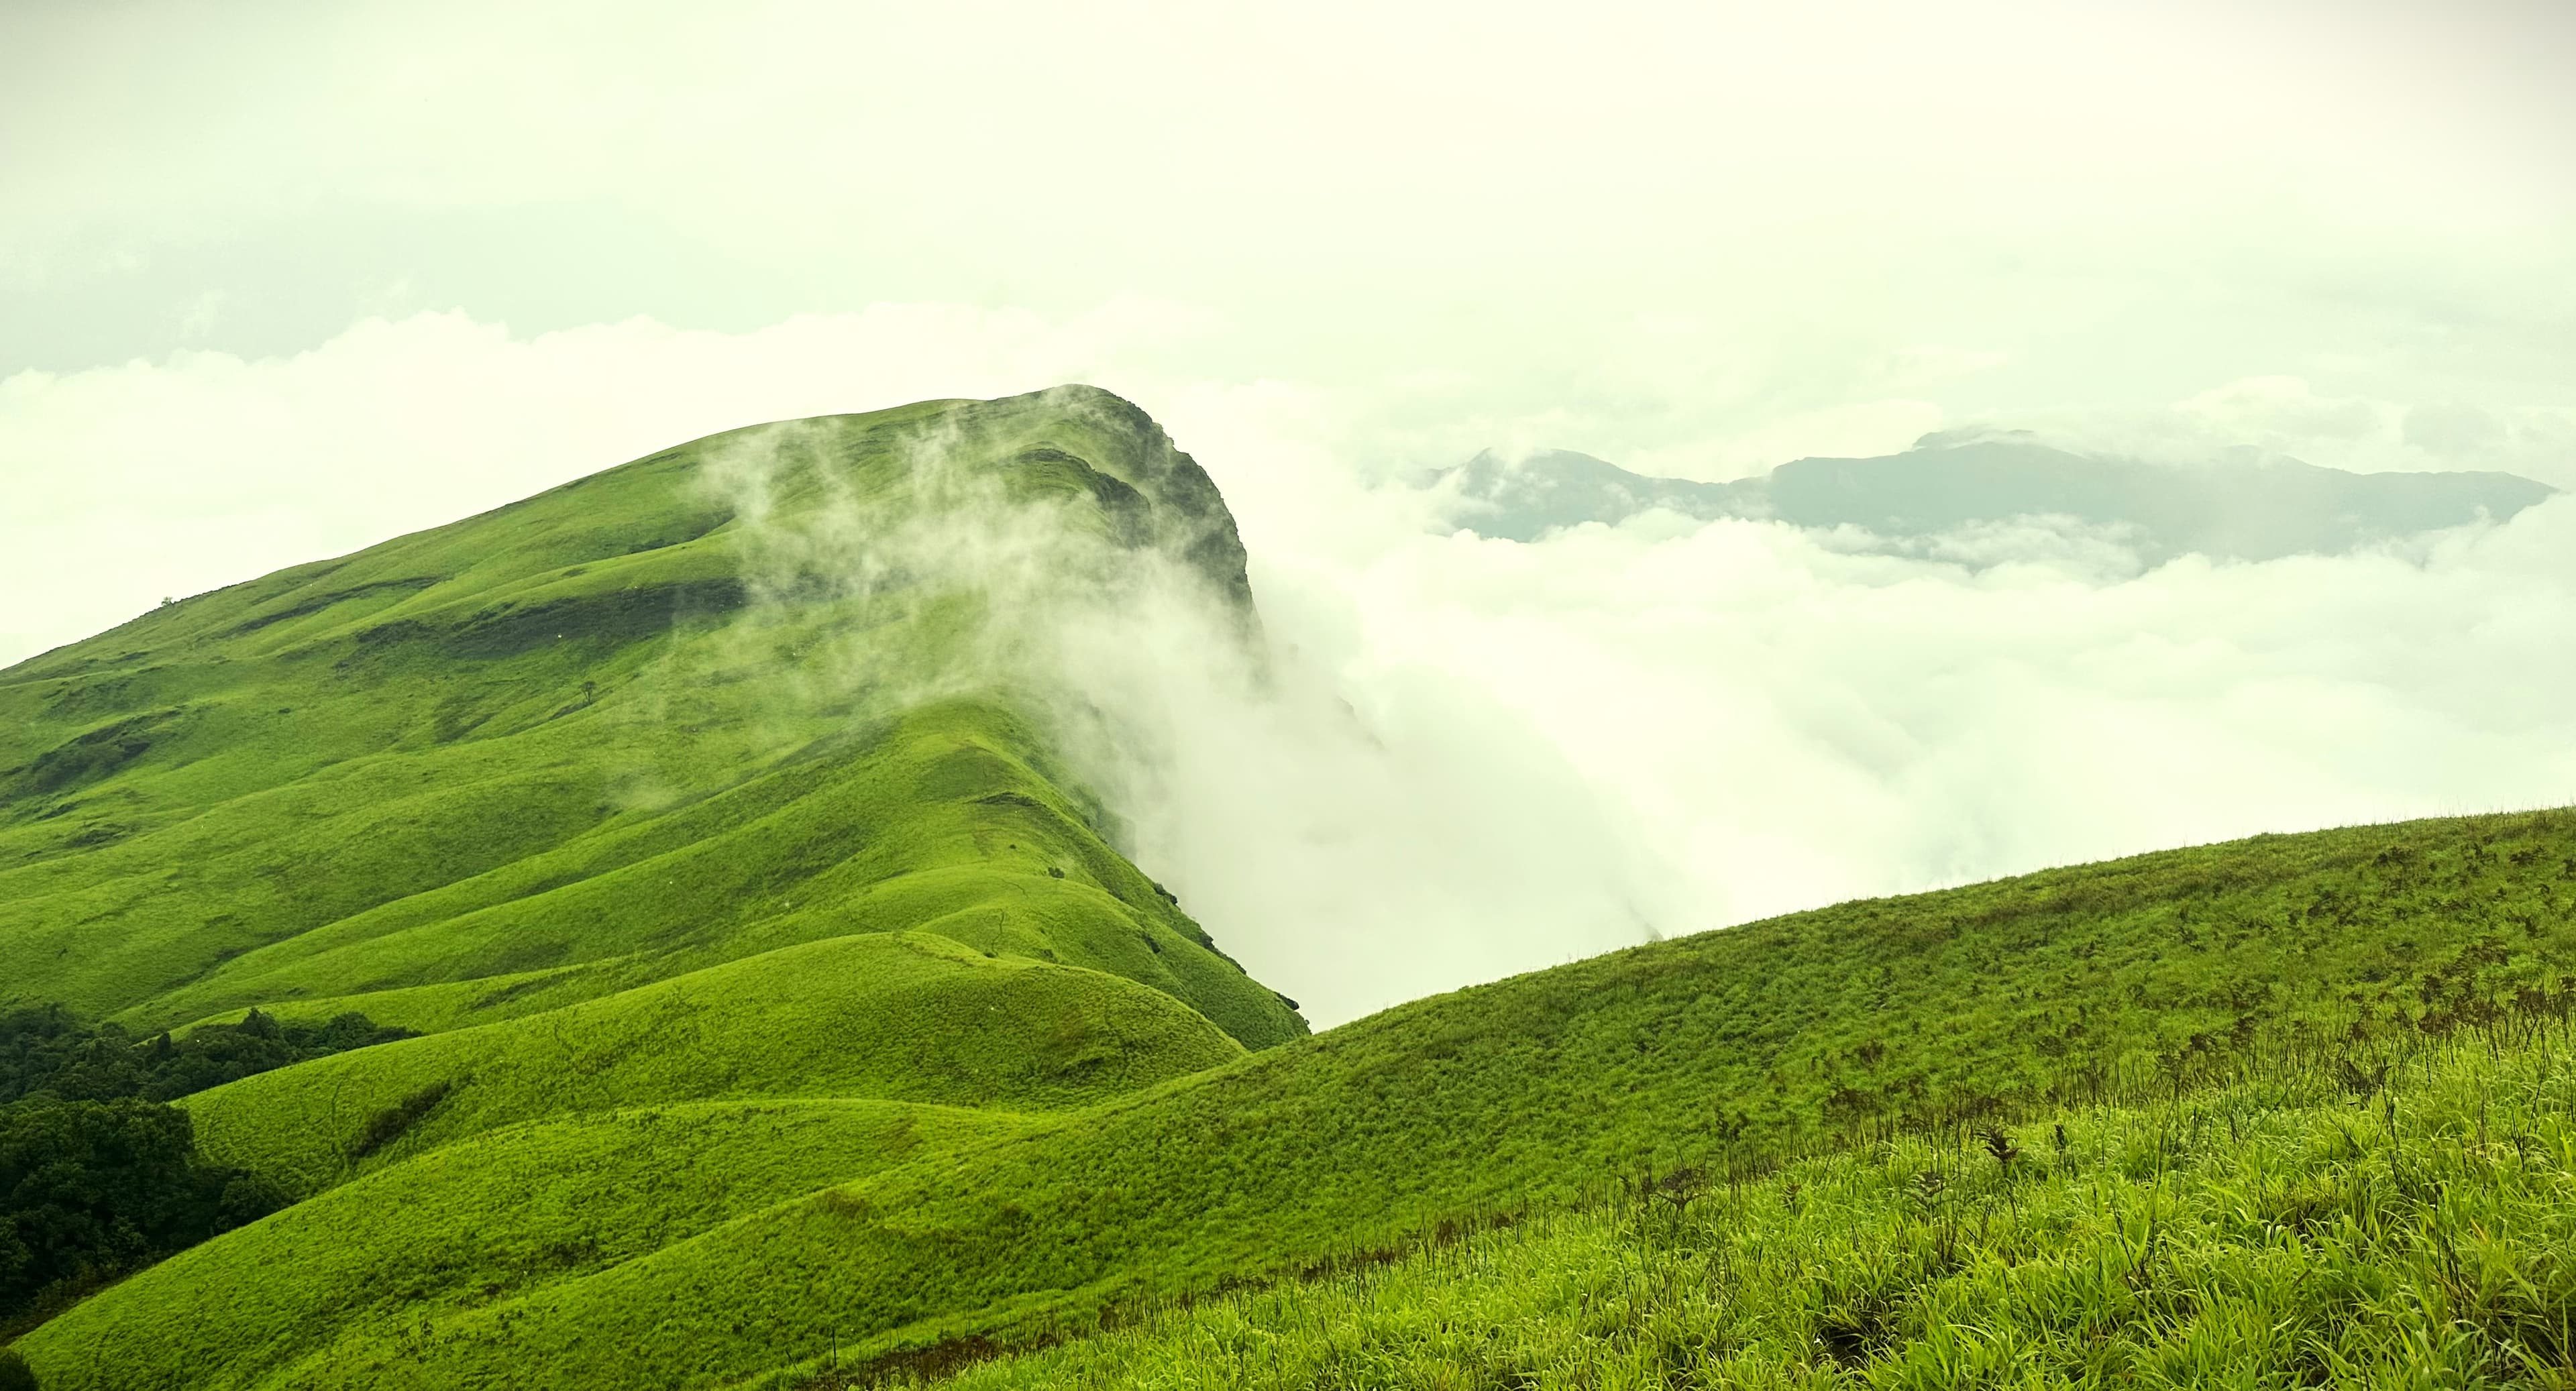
x=710 y=805
x=747 y=692
x=1722 y=1051
x=2259 y=510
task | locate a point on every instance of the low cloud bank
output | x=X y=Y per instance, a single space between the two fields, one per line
x=1489 y=756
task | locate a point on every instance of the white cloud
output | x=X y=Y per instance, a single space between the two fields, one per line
x=2283 y=407
x=1758 y=722
x=2289 y=416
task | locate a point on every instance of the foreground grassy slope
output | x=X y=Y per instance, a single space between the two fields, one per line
x=684 y=711
x=1728 y=1050
x=909 y=1017
x=500 y=1215
x=2289 y=1228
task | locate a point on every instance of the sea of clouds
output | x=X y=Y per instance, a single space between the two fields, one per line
x=1490 y=756
x=1461 y=757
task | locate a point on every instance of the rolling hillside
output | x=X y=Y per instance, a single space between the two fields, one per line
x=1733 y=1050
x=2286 y=1228
x=787 y=1007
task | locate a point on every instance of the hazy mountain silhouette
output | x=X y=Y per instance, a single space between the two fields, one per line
x=2248 y=509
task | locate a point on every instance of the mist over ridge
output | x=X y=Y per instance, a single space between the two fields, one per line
x=810 y=669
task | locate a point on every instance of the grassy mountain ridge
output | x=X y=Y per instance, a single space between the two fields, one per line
x=713 y=778
x=634 y=726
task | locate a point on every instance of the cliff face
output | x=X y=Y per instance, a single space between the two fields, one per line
x=1189 y=516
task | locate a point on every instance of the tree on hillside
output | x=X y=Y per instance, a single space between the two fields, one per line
x=48 y=1052
x=97 y=1176
x=92 y=1189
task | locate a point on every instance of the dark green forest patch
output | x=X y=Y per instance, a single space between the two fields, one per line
x=49 y=1052
x=99 y=1176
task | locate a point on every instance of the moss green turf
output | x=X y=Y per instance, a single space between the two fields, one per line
x=1774 y=1039
x=2274 y=1231
x=899 y=1017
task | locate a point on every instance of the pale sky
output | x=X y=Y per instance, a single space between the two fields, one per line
x=278 y=281
x=2125 y=203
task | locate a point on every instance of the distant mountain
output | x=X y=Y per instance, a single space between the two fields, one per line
x=2234 y=510
x=1558 y=488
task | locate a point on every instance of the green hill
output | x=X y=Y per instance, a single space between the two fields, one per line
x=786 y=1002
x=729 y=773
x=911 y=1017
x=1727 y=1051
x=2285 y=1229
x=710 y=703
x=500 y=1216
